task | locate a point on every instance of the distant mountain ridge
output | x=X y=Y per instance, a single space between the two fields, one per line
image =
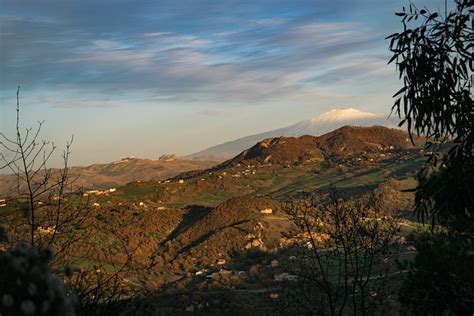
x=118 y=173
x=342 y=142
x=316 y=126
x=345 y=142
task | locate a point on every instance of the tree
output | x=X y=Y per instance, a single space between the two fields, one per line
x=434 y=56
x=27 y=286
x=435 y=61
x=29 y=279
x=346 y=257
x=441 y=279
x=54 y=218
x=50 y=203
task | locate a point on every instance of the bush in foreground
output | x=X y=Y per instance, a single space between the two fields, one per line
x=27 y=286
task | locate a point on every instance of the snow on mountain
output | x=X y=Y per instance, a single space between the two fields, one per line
x=316 y=126
x=334 y=119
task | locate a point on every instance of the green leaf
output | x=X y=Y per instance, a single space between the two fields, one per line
x=433 y=16
x=400 y=91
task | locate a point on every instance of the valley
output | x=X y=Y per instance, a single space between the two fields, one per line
x=225 y=229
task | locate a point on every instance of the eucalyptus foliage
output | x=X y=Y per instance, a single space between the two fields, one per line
x=434 y=57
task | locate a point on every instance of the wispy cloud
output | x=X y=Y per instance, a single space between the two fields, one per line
x=182 y=52
x=190 y=63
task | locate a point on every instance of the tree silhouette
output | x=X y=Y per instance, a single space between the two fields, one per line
x=346 y=256
x=434 y=56
x=435 y=61
x=57 y=224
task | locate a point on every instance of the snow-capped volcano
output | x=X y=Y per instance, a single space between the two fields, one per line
x=316 y=126
x=334 y=119
x=344 y=114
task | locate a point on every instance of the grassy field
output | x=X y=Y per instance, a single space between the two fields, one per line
x=273 y=181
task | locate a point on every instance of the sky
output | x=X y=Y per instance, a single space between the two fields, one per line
x=146 y=78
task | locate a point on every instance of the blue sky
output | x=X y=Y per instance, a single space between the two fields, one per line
x=146 y=78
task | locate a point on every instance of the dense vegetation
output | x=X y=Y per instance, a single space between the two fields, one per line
x=435 y=59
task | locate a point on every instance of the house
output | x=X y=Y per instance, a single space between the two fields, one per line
x=220 y=262
x=181 y=181
x=266 y=211
x=46 y=231
x=285 y=277
x=200 y=272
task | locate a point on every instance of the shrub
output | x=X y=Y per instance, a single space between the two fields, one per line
x=27 y=286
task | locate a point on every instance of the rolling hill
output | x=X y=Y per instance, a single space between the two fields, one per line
x=118 y=173
x=346 y=143
x=316 y=126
